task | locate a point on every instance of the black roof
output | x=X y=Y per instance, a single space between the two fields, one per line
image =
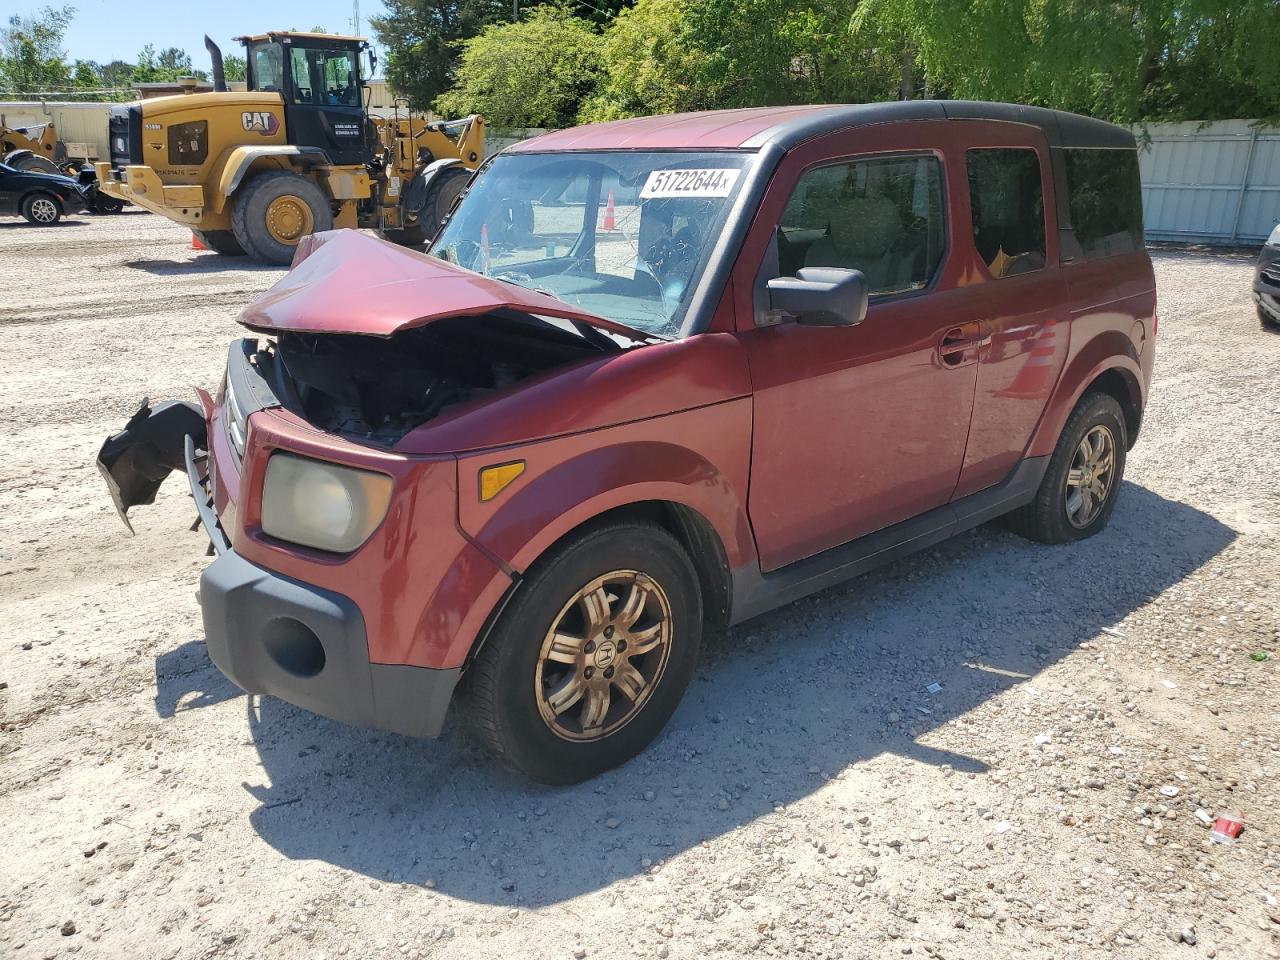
x=1062 y=129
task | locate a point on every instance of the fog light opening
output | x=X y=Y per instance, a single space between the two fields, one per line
x=294 y=647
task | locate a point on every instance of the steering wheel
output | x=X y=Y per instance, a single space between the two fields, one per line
x=519 y=279
x=470 y=262
x=643 y=269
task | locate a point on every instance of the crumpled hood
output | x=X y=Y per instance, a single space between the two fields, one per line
x=344 y=281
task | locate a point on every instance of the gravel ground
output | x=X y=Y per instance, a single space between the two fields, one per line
x=810 y=798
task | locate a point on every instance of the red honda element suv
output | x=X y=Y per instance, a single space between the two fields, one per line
x=654 y=377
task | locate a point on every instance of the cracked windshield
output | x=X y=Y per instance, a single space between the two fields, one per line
x=622 y=235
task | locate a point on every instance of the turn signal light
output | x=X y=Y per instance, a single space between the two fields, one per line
x=495 y=479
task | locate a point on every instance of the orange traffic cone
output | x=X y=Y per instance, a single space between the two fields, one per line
x=196 y=242
x=610 y=221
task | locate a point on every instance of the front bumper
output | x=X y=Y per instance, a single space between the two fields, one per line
x=143 y=186
x=1266 y=282
x=307 y=645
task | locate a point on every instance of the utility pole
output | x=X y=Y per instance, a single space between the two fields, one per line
x=515 y=10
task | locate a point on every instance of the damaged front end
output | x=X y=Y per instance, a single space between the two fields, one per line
x=365 y=341
x=135 y=461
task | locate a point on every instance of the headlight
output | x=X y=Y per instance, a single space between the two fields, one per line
x=1274 y=239
x=318 y=504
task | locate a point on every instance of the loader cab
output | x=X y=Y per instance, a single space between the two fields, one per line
x=318 y=75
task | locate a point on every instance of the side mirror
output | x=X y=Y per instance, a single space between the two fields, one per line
x=373 y=62
x=821 y=296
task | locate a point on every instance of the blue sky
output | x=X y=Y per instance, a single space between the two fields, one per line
x=106 y=30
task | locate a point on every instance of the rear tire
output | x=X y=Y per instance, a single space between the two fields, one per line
x=107 y=205
x=221 y=241
x=41 y=209
x=34 y=163
x=546 y=691
x=1080 y=486
x=274 y=210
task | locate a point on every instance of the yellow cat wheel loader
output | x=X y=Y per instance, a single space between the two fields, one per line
x=34 y=148
x=253 y=172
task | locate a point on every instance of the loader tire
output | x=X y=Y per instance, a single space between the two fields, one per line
x=441 y=194
x=34 y=163
x=221 y=241
x=274 y=210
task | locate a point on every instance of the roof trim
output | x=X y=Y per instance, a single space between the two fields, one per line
x=1062 y=129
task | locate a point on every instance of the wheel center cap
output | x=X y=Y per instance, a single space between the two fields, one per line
x=606 y=653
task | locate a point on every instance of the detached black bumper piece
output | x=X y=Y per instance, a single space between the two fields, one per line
x=271 y=634
x=135 y=461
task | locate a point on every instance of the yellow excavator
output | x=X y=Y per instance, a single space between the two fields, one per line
x=298 y=152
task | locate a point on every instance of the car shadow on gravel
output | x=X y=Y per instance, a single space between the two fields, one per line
x=187 y=670
x=204 y=264
x=779 y=706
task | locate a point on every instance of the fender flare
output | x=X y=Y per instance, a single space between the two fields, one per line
x=1110 y=350
x=581 y=488
x=241 y=159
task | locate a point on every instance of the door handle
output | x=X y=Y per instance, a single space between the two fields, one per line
x=957 y=342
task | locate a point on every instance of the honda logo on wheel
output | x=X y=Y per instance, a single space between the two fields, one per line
x=262 y=121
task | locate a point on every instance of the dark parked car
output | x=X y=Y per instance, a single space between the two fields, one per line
x=42 y=198
x=1266 y=281
x=656 y=377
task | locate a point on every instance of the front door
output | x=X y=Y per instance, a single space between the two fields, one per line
x=857 y=428
x=322 y=105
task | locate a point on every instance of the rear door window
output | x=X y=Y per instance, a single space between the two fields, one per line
x=882 y=216
x=1007 y=201
x=1105 y=201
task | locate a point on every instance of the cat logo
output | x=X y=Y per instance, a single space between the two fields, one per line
x=261 y=121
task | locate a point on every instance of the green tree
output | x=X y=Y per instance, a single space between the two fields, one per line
x=533 y=73
x=87 y=77
x=234 y=67
x=1123 y=60
x=117 y=74
x=421 y=41
x=164 y=67
x=32 y=59
x=807 y=54
x=652 y=65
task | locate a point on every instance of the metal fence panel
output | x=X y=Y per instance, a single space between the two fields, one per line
x=1217 y=183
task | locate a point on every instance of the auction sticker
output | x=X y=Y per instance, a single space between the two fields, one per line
x=689 y=183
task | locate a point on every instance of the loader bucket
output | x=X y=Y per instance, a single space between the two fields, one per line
x=135 y=461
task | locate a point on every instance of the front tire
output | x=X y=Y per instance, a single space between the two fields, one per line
x=591 y=656
x=1265 y=318
x=1080 y=486
x=41 y=209
x=274 y=210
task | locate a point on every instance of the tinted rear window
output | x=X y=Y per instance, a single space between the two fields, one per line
x=1105 y=196
x=1008 y=209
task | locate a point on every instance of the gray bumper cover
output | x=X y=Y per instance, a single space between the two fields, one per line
x=251 y=615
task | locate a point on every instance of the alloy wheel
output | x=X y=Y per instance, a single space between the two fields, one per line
x=44 y=210
x=603 y=656
x=1090 y=477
